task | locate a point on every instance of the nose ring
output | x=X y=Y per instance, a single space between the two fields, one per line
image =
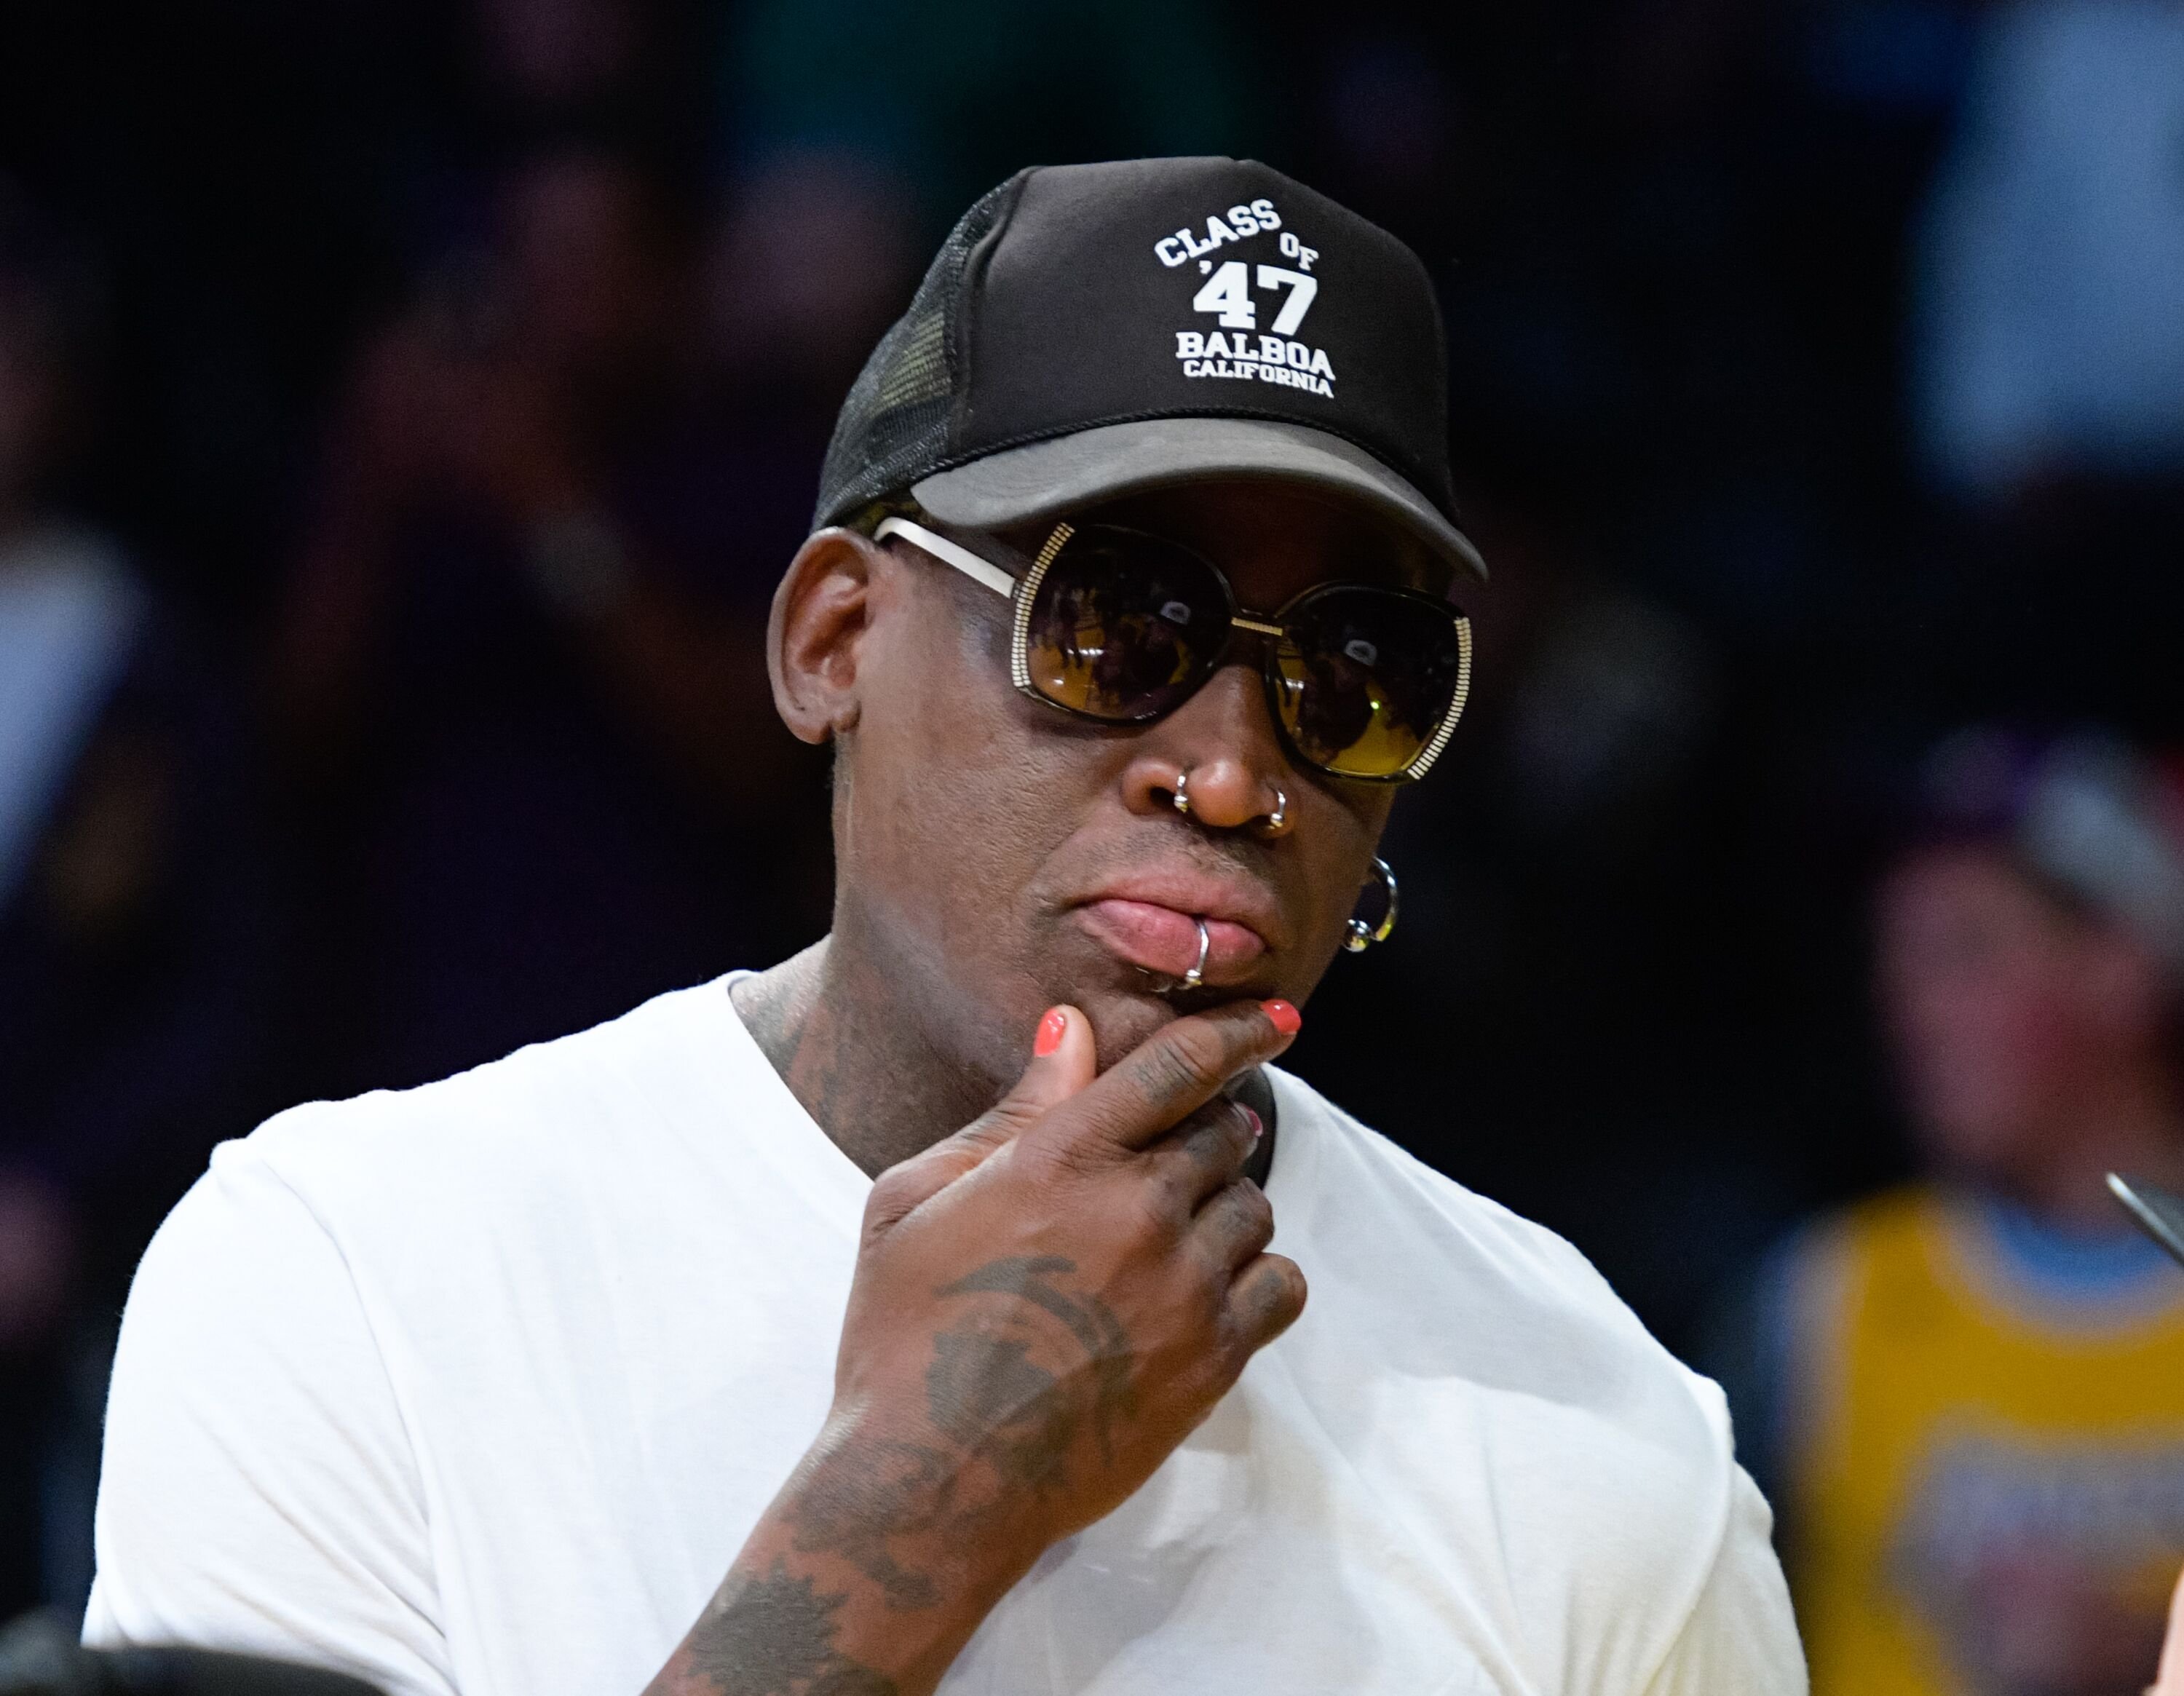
x=1182 y=792
x=1196 y=975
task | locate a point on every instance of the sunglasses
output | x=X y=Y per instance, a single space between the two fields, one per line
x=1123 y=627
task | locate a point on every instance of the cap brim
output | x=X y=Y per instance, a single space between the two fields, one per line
x=1023 y=485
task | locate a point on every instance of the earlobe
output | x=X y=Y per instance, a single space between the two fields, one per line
x=814 y=635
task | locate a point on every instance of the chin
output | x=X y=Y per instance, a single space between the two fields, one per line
x=1123 y=1019
x=1121 y=1000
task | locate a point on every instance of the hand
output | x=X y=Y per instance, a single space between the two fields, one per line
x=1045 y=1305
x=1049 y=1302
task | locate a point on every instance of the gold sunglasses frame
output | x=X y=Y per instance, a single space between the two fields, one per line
x=1021 y=591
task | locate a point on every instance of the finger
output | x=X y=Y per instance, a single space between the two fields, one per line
x=1234 y=1226
x=1264 y=1301
x=1204 y=1153
x=1180 y=1067
x=1063 y=1060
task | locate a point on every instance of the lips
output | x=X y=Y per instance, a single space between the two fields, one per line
x=1156 y=927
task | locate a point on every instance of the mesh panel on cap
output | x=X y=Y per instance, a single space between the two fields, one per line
x=893 y=427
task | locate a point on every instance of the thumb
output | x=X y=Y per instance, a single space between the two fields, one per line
x=1064 y=1060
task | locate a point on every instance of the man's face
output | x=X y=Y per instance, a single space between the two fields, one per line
x=999 y=857
x=2002 y=1007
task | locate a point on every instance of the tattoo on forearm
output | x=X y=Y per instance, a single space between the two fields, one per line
x=774 y=1636
x=852 y=1507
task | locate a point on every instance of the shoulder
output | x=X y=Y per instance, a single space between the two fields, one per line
x=502 y=1182
x=376 y=1208
x=534 y=1116
x=258 y=1491
x=394 y=1233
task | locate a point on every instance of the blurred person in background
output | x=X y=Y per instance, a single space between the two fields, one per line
x=519 y=675
x=1969 y=1395
x=2048 y=362
x=136 y=949
x=2051 y=309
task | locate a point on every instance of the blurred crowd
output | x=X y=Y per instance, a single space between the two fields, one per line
x=407 y=409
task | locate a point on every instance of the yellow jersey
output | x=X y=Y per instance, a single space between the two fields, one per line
x=1984 y=1458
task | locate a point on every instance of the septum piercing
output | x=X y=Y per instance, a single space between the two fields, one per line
x=1196 y=975
x=1269 y=825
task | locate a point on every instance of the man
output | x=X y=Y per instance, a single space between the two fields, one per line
x=1979 y=1376
x=484 y=1387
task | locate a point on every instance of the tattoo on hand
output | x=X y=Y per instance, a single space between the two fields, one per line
x=987 y=1395
x=774 y=1636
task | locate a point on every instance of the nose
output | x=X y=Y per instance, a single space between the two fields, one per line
x=1222 y=745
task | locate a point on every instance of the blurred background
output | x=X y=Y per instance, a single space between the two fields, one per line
x=407 y=407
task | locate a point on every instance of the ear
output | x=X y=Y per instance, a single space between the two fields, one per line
x=821 y=613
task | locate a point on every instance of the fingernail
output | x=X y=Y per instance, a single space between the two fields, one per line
x=1283 y=1017
x=1258 y=1124
x=1052 y=1028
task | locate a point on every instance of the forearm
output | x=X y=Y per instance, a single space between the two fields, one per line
x=784 y=1624
x=850 y=1585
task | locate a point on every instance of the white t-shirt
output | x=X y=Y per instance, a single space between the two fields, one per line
x=479 y=1387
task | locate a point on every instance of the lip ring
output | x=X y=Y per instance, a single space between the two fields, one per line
x=1249 y=908
x=1196 y=975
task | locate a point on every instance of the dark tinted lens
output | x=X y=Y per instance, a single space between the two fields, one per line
x=1366 y=675
x=1124 y=624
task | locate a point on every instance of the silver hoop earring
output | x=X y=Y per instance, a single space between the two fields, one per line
x=1276 y=823
x=1361 y=936
x=1182 y=795
x=1196 y=975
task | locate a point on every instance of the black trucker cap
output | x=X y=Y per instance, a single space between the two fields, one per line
x=1093 y=330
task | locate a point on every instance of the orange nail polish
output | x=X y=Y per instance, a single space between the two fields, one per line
x=1052 y=1028
x=1283 y=1017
